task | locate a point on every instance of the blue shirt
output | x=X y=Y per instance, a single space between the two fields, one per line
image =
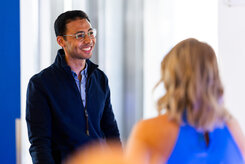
x=81 y=85
x=191 y=148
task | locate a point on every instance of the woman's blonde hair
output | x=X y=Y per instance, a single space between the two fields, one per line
x=194 y=91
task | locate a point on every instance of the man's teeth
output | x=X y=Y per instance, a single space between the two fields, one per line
x=86 y=49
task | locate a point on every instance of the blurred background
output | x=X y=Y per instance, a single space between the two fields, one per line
x=133 y=37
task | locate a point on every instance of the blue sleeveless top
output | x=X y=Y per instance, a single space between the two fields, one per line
x=191 y=148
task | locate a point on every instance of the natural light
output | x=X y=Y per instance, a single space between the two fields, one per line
x=166 y=23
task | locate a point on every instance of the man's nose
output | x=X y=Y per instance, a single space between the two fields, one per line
x=87 y=39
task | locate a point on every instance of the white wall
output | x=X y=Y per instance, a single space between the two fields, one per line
x=29 y=57
x=110 y=42
x=35 y=55
x=167 y=22
x=232 y=57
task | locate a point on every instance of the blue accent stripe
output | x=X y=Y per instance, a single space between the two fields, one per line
x=10 y=78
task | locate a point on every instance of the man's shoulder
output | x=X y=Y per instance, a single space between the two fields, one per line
x=46 y=73
x=100 y=72
x=100 y=75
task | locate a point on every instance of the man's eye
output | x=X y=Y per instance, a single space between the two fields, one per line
x=79 y=36
x=91 y=33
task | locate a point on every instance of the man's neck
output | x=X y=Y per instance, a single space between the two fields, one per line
x=77 y=65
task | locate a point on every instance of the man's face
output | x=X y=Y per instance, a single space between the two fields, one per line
x=77 y=48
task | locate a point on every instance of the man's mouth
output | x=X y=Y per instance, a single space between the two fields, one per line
x=86 y=48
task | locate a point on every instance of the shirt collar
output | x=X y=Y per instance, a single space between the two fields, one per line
x=85 y=70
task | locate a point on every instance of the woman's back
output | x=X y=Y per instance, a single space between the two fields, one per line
x=160 y=140
x=191 y=147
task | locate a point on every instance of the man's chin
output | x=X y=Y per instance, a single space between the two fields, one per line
x=86 y=57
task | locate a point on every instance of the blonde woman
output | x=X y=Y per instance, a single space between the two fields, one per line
x=196 y=127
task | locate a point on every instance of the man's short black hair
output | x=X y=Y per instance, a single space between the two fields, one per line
x=66 y=17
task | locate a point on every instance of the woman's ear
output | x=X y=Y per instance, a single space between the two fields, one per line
x=60 y=41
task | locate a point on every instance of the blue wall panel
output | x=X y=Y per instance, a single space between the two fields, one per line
x=9 y=78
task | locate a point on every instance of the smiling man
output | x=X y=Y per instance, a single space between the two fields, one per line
x=68 y=103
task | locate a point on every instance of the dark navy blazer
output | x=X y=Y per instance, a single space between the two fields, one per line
x=55 y=113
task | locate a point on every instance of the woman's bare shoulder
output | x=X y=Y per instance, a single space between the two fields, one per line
x=237 y=133
x=158 y=132
x=160 y=124
x=156 y=135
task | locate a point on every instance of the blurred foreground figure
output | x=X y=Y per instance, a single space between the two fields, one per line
x=196 y=127
x=99 y=154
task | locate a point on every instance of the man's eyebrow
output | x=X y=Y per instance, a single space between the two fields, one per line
x=79 y=32
x=83 y=31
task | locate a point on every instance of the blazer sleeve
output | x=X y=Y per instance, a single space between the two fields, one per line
x=108 y=121
x=38 y=118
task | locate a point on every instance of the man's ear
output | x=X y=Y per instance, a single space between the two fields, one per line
x=60 y=41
